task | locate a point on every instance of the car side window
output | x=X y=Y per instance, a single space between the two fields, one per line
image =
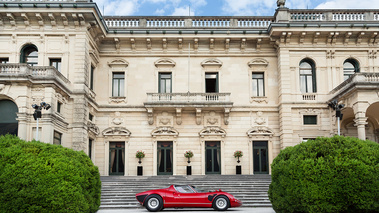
x=184 y=189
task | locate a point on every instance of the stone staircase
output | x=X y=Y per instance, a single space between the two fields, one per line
x=118 y=192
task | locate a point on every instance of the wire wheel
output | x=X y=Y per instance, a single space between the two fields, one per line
x=154 y=203
x=221 y=203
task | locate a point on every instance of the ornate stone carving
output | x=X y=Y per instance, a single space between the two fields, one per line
x=212 y=119
x=150 y=115
x=117 y=100
x=117 y=121
x=198 y=116
x=260 y=131
x=212 y=131
x=93 y=128
x=259 y=120
x=164 y=131
x=258 y=62
x=178 y=116
x=118 y=63
x=280 y=3
x=164 y=62
x=211 y=62
x=259 y=99
x=165 y=120
x=116 y=131
x=226 y=115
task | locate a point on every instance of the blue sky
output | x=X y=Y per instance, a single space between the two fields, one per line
x=220 y=7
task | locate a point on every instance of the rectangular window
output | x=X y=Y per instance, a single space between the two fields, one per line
x=307 y=139
x=90 y=117
x=4 y=60
x=59 y=106
x=90 y=148
x=211 y=82
x=258 y=84
x=91 y=77
x=165 y=80
x=310 y=119
x=56 y=62
x=118 y=84
x=57 y=138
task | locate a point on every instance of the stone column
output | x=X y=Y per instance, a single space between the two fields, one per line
x=360 y=123
x=22 y=126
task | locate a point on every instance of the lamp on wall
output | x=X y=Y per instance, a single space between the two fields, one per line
x=337 y=107
x=38 y=113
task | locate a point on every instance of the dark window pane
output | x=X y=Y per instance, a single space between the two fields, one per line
x=4 y=60
x=310 y=119
x=56 y=62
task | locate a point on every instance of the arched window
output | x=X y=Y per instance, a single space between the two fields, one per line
x=350 y=67
x=29 y=55
x=307 y=76
x=8 y=117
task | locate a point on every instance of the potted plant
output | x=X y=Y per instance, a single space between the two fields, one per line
x=140 y=154
x=237 y=154
x=188 y=155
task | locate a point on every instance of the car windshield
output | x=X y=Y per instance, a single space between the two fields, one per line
x=184 y=189
x=199 y=189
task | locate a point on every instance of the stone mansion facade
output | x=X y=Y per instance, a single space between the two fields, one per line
x=166 y=85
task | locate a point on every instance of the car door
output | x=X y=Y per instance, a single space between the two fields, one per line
x=191 y=199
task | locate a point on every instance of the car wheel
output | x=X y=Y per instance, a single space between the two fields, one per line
x=221 y=203
x=154 y=203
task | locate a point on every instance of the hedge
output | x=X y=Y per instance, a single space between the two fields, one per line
x=338 y=174
x=40 y=177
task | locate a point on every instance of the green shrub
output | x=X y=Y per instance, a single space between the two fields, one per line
x=337 y=174
x=39 y=177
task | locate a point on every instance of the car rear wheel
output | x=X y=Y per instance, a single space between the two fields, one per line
x=154 y=203
x=221 y=203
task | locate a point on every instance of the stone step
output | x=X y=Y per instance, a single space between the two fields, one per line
x=119 y=192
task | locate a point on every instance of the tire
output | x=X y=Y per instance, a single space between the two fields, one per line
x=154 y=203
x=221 y=203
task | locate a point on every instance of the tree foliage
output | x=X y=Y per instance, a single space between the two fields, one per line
x=338 y=174
x=39 y=177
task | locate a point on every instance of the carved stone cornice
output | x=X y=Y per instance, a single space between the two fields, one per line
x=212 y=131
x=164 y=62
x=211 y=62
x=164 y=131
x=116 y=131
x=260 y=131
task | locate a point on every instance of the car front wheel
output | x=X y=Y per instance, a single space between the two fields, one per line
x=154 y=203
x=221 y=203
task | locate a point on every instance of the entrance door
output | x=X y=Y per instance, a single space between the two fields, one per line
x=164 y=158
x=212 y=157
x=116 y=158
x=260 y=150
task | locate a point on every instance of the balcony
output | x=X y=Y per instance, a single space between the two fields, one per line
x=197 y=101
x=359 y=81
x=35 y=74
x=188 y=100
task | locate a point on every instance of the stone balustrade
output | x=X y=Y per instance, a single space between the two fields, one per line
x=188 y=97
x=358 y=78
x=35 y=72
x=333 y=15
x=187 y=22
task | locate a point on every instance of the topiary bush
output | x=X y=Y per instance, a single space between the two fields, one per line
x=338 y=174
x=39 y=177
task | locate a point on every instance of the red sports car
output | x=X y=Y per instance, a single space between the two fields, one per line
x=177 y=196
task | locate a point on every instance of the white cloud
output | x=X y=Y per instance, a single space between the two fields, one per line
x=159 y=12
x=118 y=7
x=248 y=7
x=183 y=11
x=198 y=3
x=349 y=4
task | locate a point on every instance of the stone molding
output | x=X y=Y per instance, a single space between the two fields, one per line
x=260 y=131
x=212 y=131
x=116 y=131
x=164 y=131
